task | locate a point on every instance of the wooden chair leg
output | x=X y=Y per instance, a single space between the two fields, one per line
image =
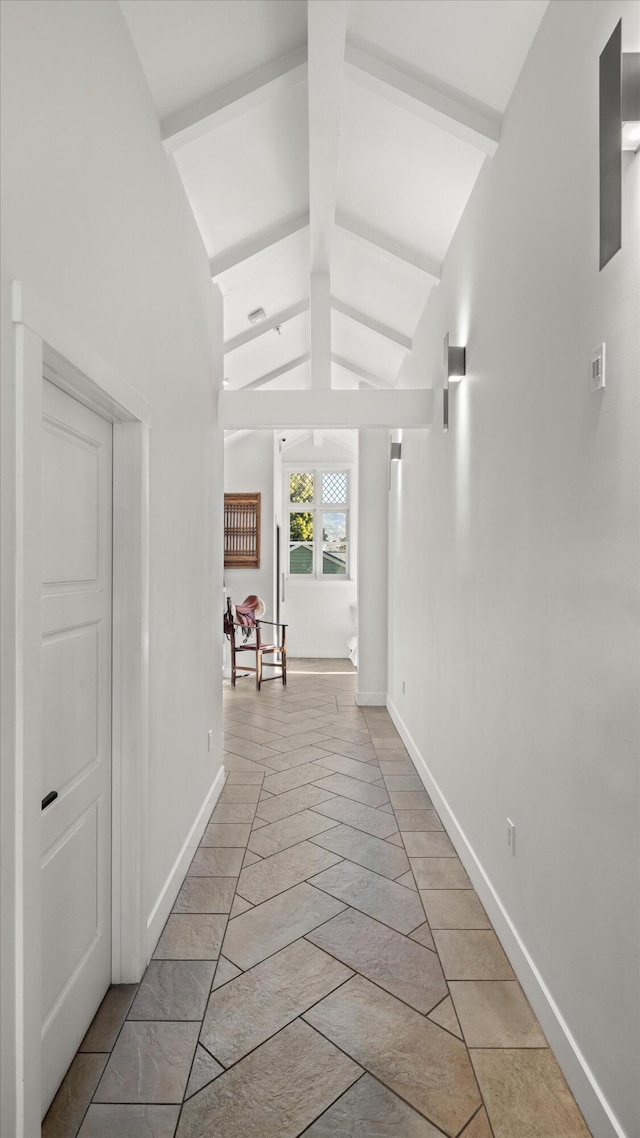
x=258 y=669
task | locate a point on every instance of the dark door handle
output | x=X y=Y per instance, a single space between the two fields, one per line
x=51 y=797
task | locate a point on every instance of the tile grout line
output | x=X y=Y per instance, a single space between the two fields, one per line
x=345 y=906
x=373 y=1076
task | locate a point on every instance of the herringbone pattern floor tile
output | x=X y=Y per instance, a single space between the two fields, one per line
x=298 y=987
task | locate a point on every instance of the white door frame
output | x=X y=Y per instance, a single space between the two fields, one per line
x=45 y=346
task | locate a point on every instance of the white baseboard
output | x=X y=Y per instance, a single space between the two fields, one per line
x=171 y=887
x=597 y=1112
x=371 y=698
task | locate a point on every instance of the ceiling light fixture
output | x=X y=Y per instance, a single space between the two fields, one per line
x=257 y=316
x=619 y=85
x=455 y=366
x=226 y=382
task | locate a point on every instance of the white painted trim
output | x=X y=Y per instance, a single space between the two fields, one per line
x=263 y=380
x=97 y=378
x=376 y=326
x=227 y=103
x=45 y=343
x=597 y=1112
x=171 y=888
x=258 y=243
x=326 y=410
x=320 y=331
x=130 y=728
x=326 y=35
x=257 y=330
x=360 y=372
x=394 y=251
x=371 y=698
x=21 y=635
x=451 y=110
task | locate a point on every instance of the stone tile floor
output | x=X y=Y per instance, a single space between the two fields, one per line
x=327 y=969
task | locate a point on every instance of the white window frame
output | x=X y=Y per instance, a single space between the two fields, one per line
x=317 y=507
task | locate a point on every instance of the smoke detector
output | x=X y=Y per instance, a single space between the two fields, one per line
x=256 y=316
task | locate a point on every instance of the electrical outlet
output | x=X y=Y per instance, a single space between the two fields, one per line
x=511 y=836
x=209 y=740
x=404 y=687
x=597 y=368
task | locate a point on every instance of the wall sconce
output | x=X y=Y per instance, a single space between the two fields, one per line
x=395 y=455
x=455 y=366
x=619 y=130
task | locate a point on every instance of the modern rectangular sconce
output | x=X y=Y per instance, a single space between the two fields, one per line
x=455 y=365
x=395 y=455
x=619 y=84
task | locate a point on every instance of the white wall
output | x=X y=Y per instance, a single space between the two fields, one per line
x=373 y=522
x=319 y=613
x=516 y=537
x=95 y=221
x=248 y=467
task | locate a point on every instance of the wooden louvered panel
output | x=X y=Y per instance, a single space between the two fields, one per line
x=242 y=531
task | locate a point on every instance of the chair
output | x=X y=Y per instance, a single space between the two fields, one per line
x=237 y=632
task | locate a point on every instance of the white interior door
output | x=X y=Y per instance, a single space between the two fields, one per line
x=76 y=725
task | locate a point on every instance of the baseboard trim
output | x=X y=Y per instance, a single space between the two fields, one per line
x=172 y=885
x=597 y=1112
x=371 y=698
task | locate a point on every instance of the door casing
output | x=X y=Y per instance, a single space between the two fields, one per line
x=44 y=345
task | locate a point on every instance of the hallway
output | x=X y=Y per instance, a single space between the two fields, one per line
x=327 y=969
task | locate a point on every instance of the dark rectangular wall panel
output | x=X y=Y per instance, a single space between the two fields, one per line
x=611 y=147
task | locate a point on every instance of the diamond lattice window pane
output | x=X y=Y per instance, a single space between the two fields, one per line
x=301 y=487
x=334 y=486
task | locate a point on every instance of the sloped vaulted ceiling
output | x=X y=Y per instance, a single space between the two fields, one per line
x=328 y=150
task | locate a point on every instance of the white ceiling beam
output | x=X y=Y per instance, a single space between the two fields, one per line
x=235 y=436
x=444 y=107
x=376 y=326
x=256 y=330
x=257 y=243
x=327 y=410
x=276 y=373
x=300 y=437
x=360 y=372
x=361 y=233
x=320 y=329
x=227 y=103
x=327 y=29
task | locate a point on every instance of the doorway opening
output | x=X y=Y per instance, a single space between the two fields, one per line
x=307 y=576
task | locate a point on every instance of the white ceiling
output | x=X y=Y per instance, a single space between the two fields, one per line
x=190 y=47
x=249 y=172
x=404 y=98
x=474 y=46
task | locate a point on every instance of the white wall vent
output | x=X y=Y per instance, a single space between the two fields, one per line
x=597 y=368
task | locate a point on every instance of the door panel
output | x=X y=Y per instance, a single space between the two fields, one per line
x=76 y=725
x=68 y=872
x=70 y=670
x=70 y=551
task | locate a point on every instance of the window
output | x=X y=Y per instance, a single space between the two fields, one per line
x=318 y=508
